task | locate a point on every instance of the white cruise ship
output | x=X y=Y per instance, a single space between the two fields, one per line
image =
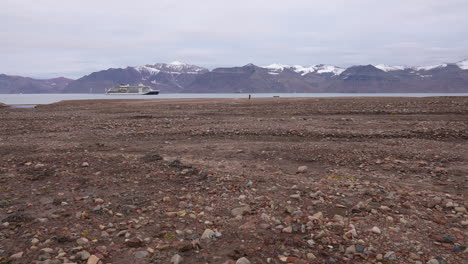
x=127 y=89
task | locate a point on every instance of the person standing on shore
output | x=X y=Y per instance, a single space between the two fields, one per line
x=250 y=96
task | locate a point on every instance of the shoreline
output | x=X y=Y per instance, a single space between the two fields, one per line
x=40 y=99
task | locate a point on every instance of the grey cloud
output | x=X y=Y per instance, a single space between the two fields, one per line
x=50 y=37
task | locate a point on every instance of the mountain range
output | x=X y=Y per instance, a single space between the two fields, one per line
x=177 y=77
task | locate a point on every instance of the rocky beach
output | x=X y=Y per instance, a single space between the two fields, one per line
x=235 y=181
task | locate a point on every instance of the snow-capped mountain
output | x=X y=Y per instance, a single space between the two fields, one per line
x=175 y=67
x=387 y=68
x=319 y=69
x=463 y=64
x=178 y=77
x=430 y=67
x=169 y=77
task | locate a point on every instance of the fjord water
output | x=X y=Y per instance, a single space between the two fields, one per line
x=34 y=99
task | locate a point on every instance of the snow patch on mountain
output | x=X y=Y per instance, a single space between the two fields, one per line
x=277 y=67
x=175 y=67
x=147 y=69
x=387 y=68
x=319 y=68
x=303 y=70
x=431 y=67
x=463 y=64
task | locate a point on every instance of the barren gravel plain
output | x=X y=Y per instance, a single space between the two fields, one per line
x=329 y=180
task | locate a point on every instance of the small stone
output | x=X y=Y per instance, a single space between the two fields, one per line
x=320 y=234
x=93 y=259
x=208 y=234
x=47 y=250
x=243 y=261
x=360 y=248
x=35 y=241
x=84 y=255
x=302 y=169
x=289 y=209
x=85 y=164
x=338 y=218
x=318 y=215
x=166 y=199
x=376 y=230
x=460 y=209
x=82 y=241
x=241 y=210
x=287 y=229
x=390 y=255
x=459 y=248
x=447 y=239
x=141 y=254
x=44 y=256
x=176 y=259
x=311 y=243
x=414 y=256
x=295 y=196
x=433 y=261
x=17 y=255
x=311 y=256
x=350 y=250
x=134 y=242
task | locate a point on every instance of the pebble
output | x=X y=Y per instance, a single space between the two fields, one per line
x=47 y=250
x=311 y=256
x=176 y=259
x=243 y=260
x=287 y=229
x=141 y=254
x=35 y=241
x=376 y=230
x=17 y=255
x=295 y=196
x=433 y=261
x=134 y=242
x=414 y=256
x=390 y=255
x=85 y=255
x=82 y=241
x=350 y=250
x=241 y=210
x=93 y=259
x=208 y=234
x=85 y=164
x=318 y=215
x=302 y=169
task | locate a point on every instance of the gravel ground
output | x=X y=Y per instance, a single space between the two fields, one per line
x=330 y=180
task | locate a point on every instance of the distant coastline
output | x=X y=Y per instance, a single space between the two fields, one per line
x=34 y=99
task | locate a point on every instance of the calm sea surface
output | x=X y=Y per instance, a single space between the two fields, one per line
x=34 y=99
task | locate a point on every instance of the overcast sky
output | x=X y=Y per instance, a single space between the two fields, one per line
x=49 y=38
